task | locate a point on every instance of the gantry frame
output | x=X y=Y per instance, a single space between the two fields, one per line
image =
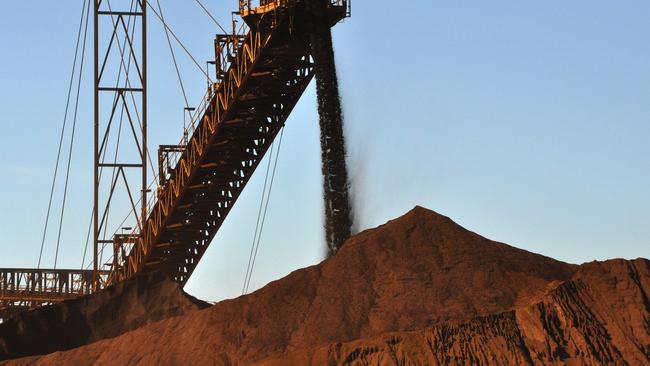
x=128 y=97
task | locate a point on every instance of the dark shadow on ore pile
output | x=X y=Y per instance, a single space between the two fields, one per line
x=105 y=314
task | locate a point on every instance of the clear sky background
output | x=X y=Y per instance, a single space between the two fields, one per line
x=525 y=121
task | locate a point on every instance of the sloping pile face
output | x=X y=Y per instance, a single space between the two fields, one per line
x=600 y=317
x=414 y=272
x=105 y=314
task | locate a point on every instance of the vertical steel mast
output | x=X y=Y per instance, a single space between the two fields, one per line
x=120 y=120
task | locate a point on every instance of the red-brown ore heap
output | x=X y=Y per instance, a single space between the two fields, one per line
x=418 y=290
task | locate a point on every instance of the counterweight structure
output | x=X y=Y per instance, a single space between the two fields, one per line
x=262 y=70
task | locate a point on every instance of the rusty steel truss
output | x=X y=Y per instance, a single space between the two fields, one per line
x=262 y=73
x=262 y=69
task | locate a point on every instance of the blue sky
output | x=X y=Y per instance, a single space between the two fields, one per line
x=527 y=122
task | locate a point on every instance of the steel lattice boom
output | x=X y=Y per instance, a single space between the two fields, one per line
x=260 y=83
x=262 y=71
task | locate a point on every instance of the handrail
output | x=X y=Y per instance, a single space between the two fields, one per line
x=247 y=7
x=42 y=281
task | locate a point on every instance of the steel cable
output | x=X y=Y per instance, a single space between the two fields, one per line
x=171 y=50
x=211 y=17
x=65 y=119
x=266 y=207
x=259 y=216
x=179 y=42
x=74 y=125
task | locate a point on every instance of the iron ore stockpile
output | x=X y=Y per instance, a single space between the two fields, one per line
x=338 y=218
x=419 y=290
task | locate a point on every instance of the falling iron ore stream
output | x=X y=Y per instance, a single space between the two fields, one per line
x=338 y=222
